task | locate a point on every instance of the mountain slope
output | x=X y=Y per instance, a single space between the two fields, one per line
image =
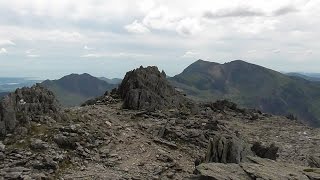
x=304 y=76
x=111 y=81
x=252 y=86
x=74 y=89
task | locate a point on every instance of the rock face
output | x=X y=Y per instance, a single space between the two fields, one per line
x=227 y=149
x=270 y=152
x=107 y=98
x=148 y=88
x=24 y=105
x=314 y=160
x=256 y=168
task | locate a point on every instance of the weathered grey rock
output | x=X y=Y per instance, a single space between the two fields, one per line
x=37 y=144
x=13 y=173
x=7 y=114
x=2 y=155
x=270 y=152
x=314 y=161
x=46 y=164
x=2 y=147
x=256 y=168
x=221 y=171
x=24 y=105
x=227 y=149
x=64 y=141
x=147 y=88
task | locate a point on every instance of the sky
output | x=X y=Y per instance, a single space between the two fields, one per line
x=50 y=39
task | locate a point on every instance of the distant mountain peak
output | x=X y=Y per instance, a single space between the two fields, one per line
x=252 y=86
x=74 y=89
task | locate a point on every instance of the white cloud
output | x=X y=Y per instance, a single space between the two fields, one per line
x=36 y=34
x=189 y=26
x=276 y=50
x=29 y=51
x=6 y=42
x=162 y=18
x=236 y=12
x=115 y=55
x=88 y=48
x=33 y=55
x=3 y=51
x=137 y=27
x=253 y=51
x=223 y=30
x=190 y=54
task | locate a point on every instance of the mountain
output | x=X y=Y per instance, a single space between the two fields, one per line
x=111 y=81
x=309 y=77
x=252 y=86
x=74 y=89
x=39 y=139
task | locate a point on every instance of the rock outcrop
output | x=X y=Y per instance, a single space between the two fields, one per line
x=314 y=160
x=270 y=152
x=106 y=99
x=24 y=105
x=147 y=88
x=227 y=149
x=256 y=168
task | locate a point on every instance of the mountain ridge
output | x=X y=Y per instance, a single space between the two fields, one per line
x=74 y=89
x=252 y=86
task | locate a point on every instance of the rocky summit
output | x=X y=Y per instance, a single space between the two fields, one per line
x=146 y=129
x=147 y=88
x=18 y=109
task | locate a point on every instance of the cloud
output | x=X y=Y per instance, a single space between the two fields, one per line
x=188 y=26
x=190 y=54
x=136 y=27
x=6 y=42
x=3 y=51
x=285 y=10
x=276 y=50
x=253 y=51
x=114 y=55
x=88 y=48
x=33 y=55
x=234 y=12
x=222 y=30
x=40 y=34
x=30 y=53
x=161 y=18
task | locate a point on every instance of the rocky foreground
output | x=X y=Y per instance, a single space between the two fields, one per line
x=145 y=132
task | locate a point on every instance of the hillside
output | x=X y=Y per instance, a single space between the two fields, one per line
x=308 y=77
x=111 y=81
x=252 y=86
x=74 y=89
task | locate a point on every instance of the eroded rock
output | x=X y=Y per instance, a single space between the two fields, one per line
x=256 y=168
x=270 y=152
x=24 y=105
x=148 y=88
x=227 y=149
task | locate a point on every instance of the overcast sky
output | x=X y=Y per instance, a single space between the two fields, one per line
x=49 y=39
